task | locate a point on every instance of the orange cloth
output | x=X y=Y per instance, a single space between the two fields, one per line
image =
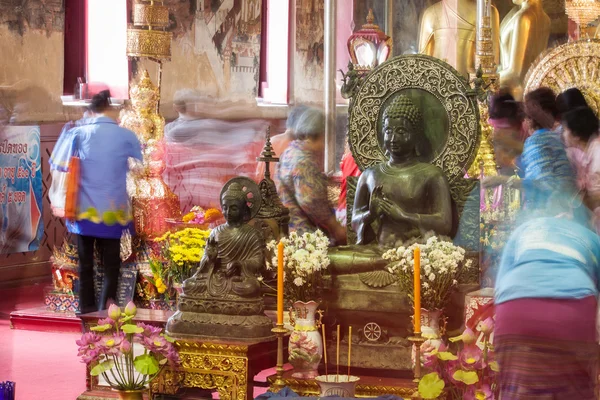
x=349 y=168
x=280 y=143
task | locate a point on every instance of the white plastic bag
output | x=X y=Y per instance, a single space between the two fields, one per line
x=57 y=193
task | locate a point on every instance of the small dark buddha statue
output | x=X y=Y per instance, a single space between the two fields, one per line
x=222 y=299
x=396 y=200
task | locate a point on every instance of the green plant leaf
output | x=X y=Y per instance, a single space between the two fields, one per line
x=101 y=328
x=455 y=339
x=146 y=364
x=467 y=377
x=126 y=318
x=431 y=386
x=494 y=366
x=130 y=328
x=102 y=367
x=446 y=356
x=168 y=338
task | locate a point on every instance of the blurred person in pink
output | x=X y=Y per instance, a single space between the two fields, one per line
x=281 y=142
x=301 y=183
x=580 y=130
x=204 y=152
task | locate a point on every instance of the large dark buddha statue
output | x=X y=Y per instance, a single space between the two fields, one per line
x=222 y=299
x=396 y=200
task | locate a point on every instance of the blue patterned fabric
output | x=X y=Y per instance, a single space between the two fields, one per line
x=553 y=258
x=546 y=169
x=104 y=149
x=64 y=148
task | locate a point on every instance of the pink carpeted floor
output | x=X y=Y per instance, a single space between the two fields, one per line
x=43 y=365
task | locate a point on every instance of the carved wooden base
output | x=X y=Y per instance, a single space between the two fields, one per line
x=368 y=386
x=228 y=368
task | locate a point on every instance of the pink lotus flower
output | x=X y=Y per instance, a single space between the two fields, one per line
x=149 y=330
x=89 y=347
x=125 y=346
x=471 y=358
x=130 y=309
x=468 y=336
x=156 y=344
x=487 y=326
x=111 y=344
x=483 y=392
x=114 y=312
x=106 y=321
x=173 y=356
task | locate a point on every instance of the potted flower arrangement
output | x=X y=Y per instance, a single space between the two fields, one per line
x=110 y=351
x=470 y=374
x=305 y=259
x=441 y=265
x=178 y=255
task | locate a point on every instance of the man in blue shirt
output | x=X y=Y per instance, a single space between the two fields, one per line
x=104 y=210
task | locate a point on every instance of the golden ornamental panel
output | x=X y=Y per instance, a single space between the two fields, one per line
x=574 y=64
x=156 y=16
x=448 y=104
x=310 y=387
x=149 y=43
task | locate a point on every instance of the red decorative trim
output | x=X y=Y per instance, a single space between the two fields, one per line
x=74 y=43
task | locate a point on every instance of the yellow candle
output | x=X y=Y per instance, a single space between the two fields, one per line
x=280 y=283
x=417 y=291
x=337 y=352
x=349 y=349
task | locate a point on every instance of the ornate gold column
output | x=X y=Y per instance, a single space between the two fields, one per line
x=486 y=81
x=330 y=89
x=152 y=199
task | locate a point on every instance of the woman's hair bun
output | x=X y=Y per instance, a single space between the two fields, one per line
x=100 y=102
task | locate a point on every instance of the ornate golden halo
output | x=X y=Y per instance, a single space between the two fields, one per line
x=417 y=73
x=574 y=64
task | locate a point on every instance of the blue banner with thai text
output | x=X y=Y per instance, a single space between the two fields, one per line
x=21 y=223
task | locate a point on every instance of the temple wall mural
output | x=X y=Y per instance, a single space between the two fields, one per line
x=216 y=49
x=308 y=60
x=32 y=78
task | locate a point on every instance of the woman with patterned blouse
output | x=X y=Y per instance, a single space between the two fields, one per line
x=300 y=182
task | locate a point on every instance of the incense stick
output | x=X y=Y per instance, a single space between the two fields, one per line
x=338 y=354
x=349 y=349
x=324 y=348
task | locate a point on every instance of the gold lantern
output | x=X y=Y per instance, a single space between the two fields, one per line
x=583 y=12
x=147 y=38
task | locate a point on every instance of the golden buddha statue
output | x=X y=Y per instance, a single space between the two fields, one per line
x=524 y=34
x=448 y=32
x=152 y=199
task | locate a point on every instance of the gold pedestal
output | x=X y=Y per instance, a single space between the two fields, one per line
x=367 y=386
x=228 y=368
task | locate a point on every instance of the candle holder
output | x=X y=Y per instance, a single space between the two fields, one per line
x=279 y=383
x=417 y=341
